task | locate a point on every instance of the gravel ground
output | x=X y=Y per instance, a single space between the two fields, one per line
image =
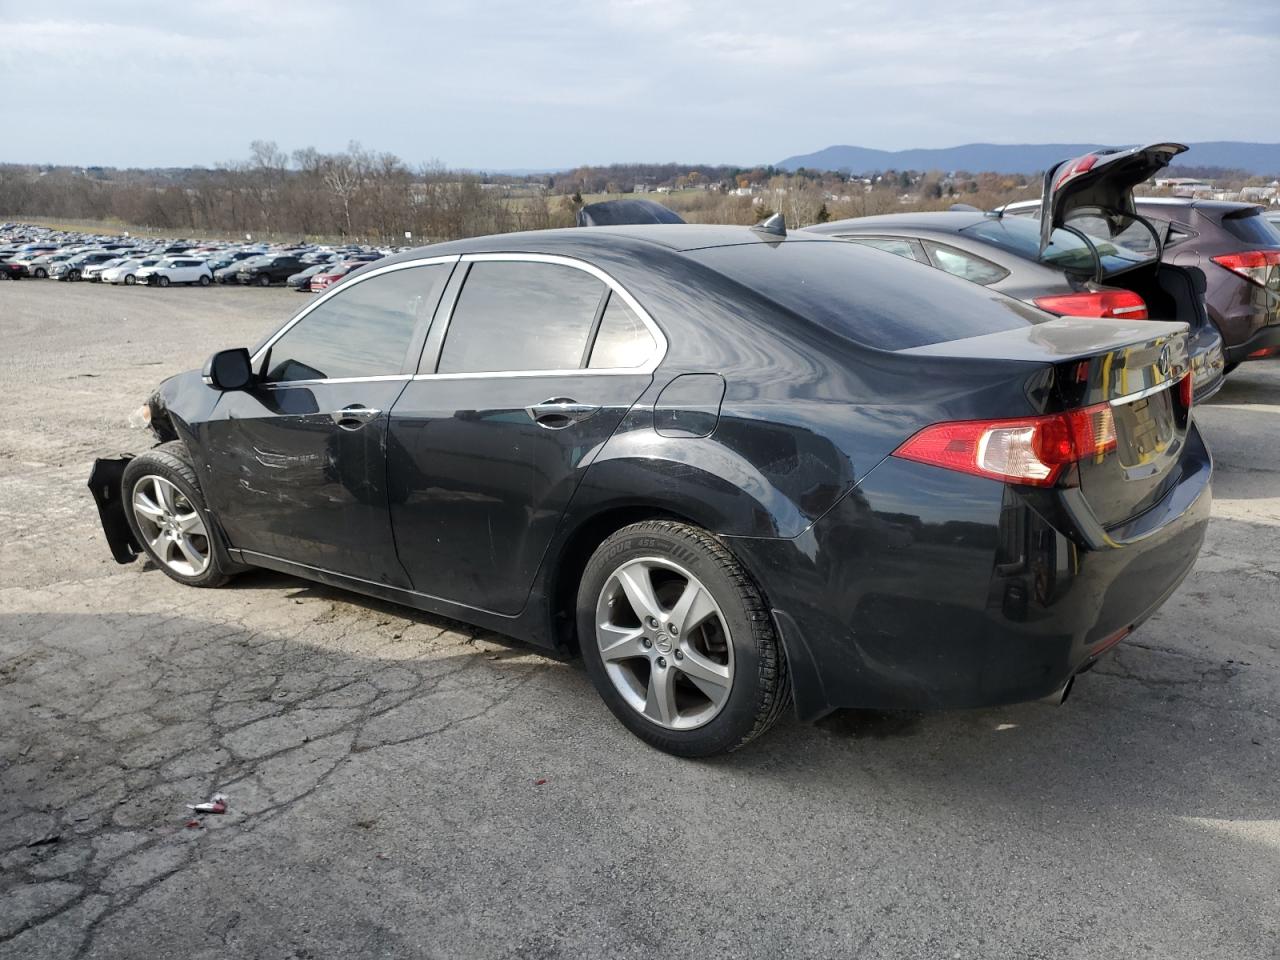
x=404 y=786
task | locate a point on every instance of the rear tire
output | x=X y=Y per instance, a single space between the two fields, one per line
x=130 y=280
x=168 y=517
x=718 y=680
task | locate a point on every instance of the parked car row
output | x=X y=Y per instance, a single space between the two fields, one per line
x=739 y=470
x=32 y=252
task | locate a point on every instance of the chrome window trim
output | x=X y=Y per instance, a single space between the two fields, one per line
x=324 y=297
x=644 y=369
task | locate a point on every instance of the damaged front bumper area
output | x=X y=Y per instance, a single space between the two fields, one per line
x=105 y=482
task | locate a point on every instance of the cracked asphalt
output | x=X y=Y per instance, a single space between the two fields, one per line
x=401 y=785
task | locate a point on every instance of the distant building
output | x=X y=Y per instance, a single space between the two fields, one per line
x=641 y=188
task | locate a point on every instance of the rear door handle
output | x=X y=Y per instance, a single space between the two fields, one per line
x=559 y=412
x=354 y=417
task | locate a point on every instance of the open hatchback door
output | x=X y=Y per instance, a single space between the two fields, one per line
x=1099 y=186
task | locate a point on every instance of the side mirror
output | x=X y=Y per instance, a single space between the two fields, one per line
x=229 y=370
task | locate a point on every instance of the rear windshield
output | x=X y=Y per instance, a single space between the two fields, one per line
x=881 y=302
x=1021 y=236
x=1253 y=228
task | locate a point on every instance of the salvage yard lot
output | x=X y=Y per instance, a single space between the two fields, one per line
x=404 y=785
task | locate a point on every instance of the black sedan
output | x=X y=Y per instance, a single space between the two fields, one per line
x=734 y=469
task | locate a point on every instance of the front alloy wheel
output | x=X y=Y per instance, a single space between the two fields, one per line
x=171 y=525
x=167 y=514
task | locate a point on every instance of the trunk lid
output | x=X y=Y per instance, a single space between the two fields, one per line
x=1130 y=373
x=1101 y=181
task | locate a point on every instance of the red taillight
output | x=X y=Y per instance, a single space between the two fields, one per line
x=1112 y=304
x=1032 y=450
x=1254 y=265
x=1186 y=391
x=1259 y=354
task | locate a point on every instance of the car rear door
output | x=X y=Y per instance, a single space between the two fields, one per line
x=527 y=372
x=298 y=461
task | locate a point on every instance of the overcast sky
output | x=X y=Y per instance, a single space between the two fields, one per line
x=554 y=83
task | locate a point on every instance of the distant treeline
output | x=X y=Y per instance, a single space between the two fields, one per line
x=357 y=194
x=371 y=196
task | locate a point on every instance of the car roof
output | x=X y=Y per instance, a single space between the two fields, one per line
x=1224 y=206
x=942 y=221
x=568 y=241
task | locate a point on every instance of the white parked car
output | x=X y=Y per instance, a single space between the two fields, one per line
x=177 y=269
x=93 y=272
x=126 y=271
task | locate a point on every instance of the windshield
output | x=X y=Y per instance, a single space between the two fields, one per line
x=1021 y=236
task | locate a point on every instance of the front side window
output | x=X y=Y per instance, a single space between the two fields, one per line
x=623 y=340
x=362 y=331
x=964 y=265
x=514 y=315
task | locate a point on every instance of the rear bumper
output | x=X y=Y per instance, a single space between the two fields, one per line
x=925 y=589
x=105 y=484
x=1267 y=338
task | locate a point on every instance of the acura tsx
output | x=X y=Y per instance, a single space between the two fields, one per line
x=734 y=469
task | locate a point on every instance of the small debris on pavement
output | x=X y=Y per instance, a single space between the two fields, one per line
x=540 y=781
x=217 y=805
x=194 y=824
x=44 y=841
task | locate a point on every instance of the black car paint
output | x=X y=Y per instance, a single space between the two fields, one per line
x=892 y=583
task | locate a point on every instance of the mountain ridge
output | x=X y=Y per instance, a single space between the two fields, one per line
x=1256 y=158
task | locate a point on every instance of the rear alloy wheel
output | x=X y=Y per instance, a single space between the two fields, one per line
x=264 y=281
x=162 y=281
x=167 y=515
x=130 y=279
x=678 y=640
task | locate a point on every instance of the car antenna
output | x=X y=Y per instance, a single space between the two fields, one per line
x=774 y=226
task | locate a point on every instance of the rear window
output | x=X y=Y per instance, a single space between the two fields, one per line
x=1253 y=228
x=1021 y=236
x=883 y=302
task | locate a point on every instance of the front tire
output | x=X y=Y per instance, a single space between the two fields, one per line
x=678 y=640
x=40 y=273
x=162 y=281
x=204 y=281
x=130 y=280
x=264 y=281
x=167 y=514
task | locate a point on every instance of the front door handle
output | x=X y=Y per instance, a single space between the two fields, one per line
x=354 y=417
x=559 y=412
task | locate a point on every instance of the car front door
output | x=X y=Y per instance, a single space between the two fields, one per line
x=523 y=380
x=298 y=462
